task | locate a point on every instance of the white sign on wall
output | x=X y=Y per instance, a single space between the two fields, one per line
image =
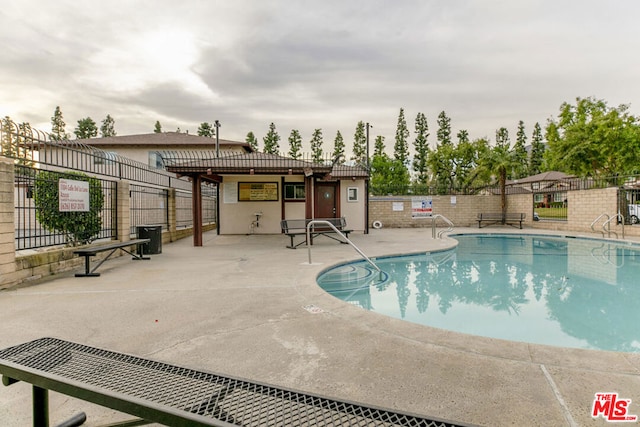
x=73 y=196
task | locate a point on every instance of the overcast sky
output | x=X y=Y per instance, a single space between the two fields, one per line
x=314 y=64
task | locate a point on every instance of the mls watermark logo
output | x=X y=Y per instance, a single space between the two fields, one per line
x=611 y=408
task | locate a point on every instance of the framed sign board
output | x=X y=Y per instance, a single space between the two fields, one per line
x=257 y=191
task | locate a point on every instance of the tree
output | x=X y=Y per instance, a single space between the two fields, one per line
x=316 y=146
x=86 y=129
x=537 y=151
x=15 y=139
x=444 y=129
x=520 y=153
x=338 y=148
x=442 y=160
x=592 y=139
x=158 y=127
x=388 y=176
x=401 y=147
x=252 y=141
x=271 y=140
x=498 y=161
x=58 y=132
x=108 y=127
x=295 y=144
x=206 y=129
x=360 y=145
x=378 y=149
x=78 y=227
x=421 y=146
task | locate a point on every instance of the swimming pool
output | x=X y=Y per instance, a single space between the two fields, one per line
x=561 y=291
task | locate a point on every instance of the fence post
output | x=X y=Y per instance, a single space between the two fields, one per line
x=7 y=223
x=123 y=211
x=172 y=215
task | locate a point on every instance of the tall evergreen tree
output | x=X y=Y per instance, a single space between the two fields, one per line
x=444 y=129
x=108 y=128
x=463 y=136
x=421 y=146
x=360 y=145
x=316 y=146
x=338 y=148
x=537 y=151
x=271 y=140
x=401 y=146
x=58 y=132
x=158 y=127
x=86 y=129
x=502 y=138
x=379 y=146
x=295 y=144
x=520 y=153
x=252 y=141
x=206 y=129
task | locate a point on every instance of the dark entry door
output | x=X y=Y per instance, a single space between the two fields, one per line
x=325 y=200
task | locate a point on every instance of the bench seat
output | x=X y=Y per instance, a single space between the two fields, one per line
x=508 y=218
x=91 y=251
x=177 y=396
x=298 y=227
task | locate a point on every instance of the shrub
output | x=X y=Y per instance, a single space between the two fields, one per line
x=78 y=227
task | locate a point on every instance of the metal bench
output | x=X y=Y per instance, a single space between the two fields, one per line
x=298 y=227
x=499 y=218
x=92 y=251
x=176 y=396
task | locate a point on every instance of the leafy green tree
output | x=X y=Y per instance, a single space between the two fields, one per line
x=421 y=146
x=388 y=176
x=271 y=140
x=536 y=157
x=444 y=129
x=498 y=161
x=442 y=160
x=360 y=145
x=58 y=132
x=108 y=127
x=338 y=148
x=86 y=129
x=158 y=127
x=520 y=153
x=316 y=146
x=379 y=148
x=295 y=144
x=466 y=156
x=592 y=139
x=401 y=146
x=252 y=141
x=206 y=129
x=78 y=227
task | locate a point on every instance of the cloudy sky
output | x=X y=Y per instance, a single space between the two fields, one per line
x=314 y=64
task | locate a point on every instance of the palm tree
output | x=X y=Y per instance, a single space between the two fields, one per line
x=499 y=161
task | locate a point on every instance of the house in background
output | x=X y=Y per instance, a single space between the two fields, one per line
x=548 y=188
x=144 y=148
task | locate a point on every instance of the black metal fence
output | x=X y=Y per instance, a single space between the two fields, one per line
x=148 y=206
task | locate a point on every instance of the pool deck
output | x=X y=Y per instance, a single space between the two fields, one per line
x=240 y=305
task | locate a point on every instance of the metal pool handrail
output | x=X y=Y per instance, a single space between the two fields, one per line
x=607 y=224
x=441 y=232
x=598 y=219
x=318 y=221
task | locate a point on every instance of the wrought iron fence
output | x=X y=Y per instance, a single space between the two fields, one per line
x=30 y=232
x=209 y=204
x=184 y=209
x=148 y=206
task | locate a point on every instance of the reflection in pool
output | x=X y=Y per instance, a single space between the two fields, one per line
x=567 y=292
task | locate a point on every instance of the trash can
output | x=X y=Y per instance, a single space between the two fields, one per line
x=153 y=232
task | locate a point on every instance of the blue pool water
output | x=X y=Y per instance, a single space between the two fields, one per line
x=568 y=292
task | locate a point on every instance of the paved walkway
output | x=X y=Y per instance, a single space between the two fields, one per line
x=236 y=306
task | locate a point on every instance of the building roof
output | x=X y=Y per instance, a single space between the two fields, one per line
x=165 y=139
x=541 y=177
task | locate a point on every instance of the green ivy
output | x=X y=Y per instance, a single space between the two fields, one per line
x=78 y=227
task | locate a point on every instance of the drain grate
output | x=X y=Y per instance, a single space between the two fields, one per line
x=212 y=399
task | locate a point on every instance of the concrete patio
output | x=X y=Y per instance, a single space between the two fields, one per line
x=236 y=306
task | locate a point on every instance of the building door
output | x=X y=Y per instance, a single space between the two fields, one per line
x=325 y=200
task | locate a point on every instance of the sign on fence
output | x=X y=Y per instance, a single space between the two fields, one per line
x=73 y=196
x=421 y=207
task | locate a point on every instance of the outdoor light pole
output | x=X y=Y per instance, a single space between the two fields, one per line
x=217 y=125
x=368 y=126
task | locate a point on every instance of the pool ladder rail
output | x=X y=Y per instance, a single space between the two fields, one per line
x=346 y=239
x=606 y=226
x=434 y=219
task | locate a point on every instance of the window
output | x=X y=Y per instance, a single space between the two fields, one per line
x=104 y=157
x=294 y=191
x=538 y=198
x=352 y=194
x=155 y=161
x=559 y=197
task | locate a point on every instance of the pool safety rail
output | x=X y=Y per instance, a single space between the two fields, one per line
x=606 y=225
x=434 y=219
x=346 y=239
x=176 y=396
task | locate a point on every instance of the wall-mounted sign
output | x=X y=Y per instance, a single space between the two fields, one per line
x=73 y=196
x=421 y=207
x=257 y=191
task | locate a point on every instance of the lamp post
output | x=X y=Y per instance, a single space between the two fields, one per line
x=217 y=126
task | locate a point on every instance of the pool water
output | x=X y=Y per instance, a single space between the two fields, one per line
x=568 y=292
